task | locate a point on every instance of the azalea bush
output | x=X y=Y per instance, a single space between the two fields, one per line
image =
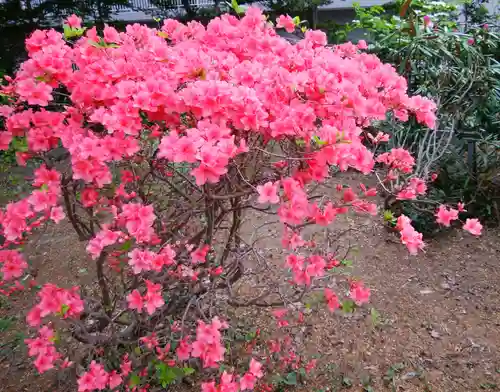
x=154 y=145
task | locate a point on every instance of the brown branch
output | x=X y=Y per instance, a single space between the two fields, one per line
x=71 y=215
x=106 y=299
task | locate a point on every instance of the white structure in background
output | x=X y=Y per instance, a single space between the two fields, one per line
x=341 y=11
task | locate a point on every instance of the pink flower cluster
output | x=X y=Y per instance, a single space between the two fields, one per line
x=208 y=345
x=415 y=187
x=445 y=215
x=21 y=216
x=146 y=260
x=42 y=347
x=13 y=264
x=150 y=301
x=102 y=239
x=409 y=236
x=55 y=300
x=398 y=158
x=138 y=219
x=304 y=269
x=209 y=145
x=229 y=383
x=97 y=378
x=359 y=293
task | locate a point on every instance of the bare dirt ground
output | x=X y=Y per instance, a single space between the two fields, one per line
x=438 y=327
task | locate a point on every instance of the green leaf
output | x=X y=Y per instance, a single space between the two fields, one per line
x=5 y=323
x=348 y=306
x=188 y=371
x=375 y=316
x=388 y=216
x=346 y=263
x=70 y=32
x=234 y=5
x=134 y=380
x=291 y=379
x=126 y=245
x=64 y=309
x=20 y=144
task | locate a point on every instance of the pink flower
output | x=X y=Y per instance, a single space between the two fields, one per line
x=316 y=37
x=141 y=260
x=135 y=301
x=473 y=226
x=114 y=380
x=209 y=387
x=362 y=45
x=332 y=300
x=153 y=298
x=5 y=139
x=95 y=378
x=111 y=35
x=200 y=255
x=183 y=350
x=359 y=293
x=247 y=382
x=89 y=197
x=268 y=193
x=445 y=216
x=126 y=366
x=461 y=207
x=412 y=239
x=256 y=368
x=285 y=22
x=428 y=22
x=12 y=264
x=74 y=22
x=57 y=214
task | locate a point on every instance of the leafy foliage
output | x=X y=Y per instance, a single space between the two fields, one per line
x=459 y=69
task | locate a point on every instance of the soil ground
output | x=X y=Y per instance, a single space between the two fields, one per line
x=438 y=324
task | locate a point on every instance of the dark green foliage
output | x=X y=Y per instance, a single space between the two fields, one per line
x=458 y=67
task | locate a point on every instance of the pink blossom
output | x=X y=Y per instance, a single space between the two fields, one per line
x=57 y=214
x=256 y=368
x=268 y=193
x=153 y=298
x=183 y=350
x=445 y=216
x=95 y=378
x=286 y=22
x=362 y=45
x=74 y=22
x=135 y=301
x=428 y=22
x=111 y=35
x=247 y=382
x=473 y=226
x=199 y=255
x=5 y=139
x=359 y=293
x=332 y=300
x=114 y=380
x=12 y=264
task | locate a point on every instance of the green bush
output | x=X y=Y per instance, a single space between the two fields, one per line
x=457 y=65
